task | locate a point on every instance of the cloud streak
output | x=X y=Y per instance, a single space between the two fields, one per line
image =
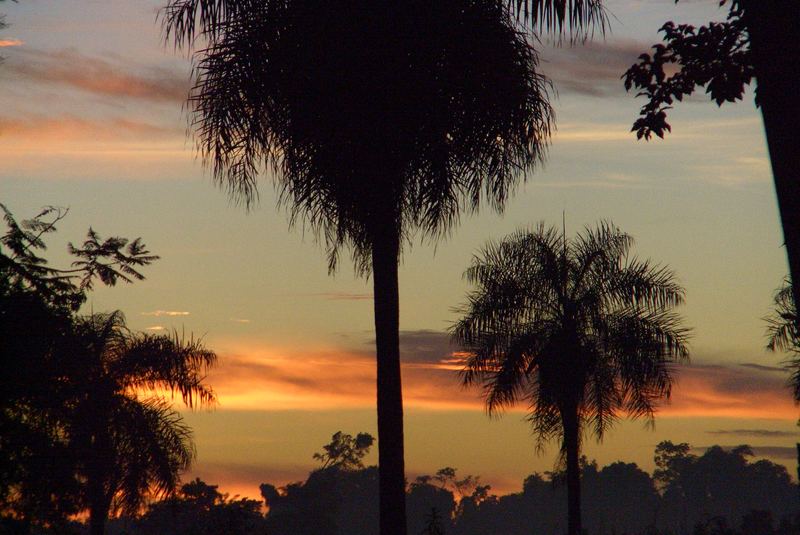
x=105 y=77
x=10 y=42
x=167 y=313
x=344 y=296
x=594 y=68
x=261 y=377
x=740 y=391
x=67 y=129
x=756 y=433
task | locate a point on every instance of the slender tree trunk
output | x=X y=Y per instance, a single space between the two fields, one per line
x=98 y=510
x=385 y=253
x=569 y=420
x=774 y=28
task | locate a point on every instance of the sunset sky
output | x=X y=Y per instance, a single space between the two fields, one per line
x=92 y=117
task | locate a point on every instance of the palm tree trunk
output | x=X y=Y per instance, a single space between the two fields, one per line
x=98 y=511
x=385 y=255
x=569 y=420
x=774 y=28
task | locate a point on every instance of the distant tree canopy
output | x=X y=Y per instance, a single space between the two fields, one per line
x=718 y=492
x=687 y=492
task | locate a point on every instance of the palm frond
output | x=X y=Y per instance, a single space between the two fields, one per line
x=782 y=333
x=579 y=18
x=172 y=362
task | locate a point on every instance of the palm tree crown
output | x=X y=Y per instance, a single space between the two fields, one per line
x=396 y=112
x=578 y=329
x=129 y=442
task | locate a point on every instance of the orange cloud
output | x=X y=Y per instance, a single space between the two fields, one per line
x=71 y=130
x=258 y=377
x=10 y=42
x=41 y=144
x=736 y=391
x=106 y=77
x=159 y=313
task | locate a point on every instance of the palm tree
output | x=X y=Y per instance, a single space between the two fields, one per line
x=578 y=329
x=128 y=441
x=783 y=333
x=379 y=121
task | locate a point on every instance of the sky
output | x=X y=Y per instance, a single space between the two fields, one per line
x=92 y=118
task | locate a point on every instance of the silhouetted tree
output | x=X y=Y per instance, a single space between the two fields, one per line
x=129 y=442
x=200 y=509
x=423 y=498
x=379 y=120
x=578 y=329
x=72 y=400
x=720 y=484
x=37 y=303
x=345 y=452
x=760 y=39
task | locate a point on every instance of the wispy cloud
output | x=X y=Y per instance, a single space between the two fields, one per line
x=343 y=296
x=71 y=129
x=111 y=77
x=264 y=377
x=761 y=367
x=155 y=328
x=10 y=42
x=168 y=313
x=756 y=433
x=594 y=68
x=239 y=320
x=730 y=390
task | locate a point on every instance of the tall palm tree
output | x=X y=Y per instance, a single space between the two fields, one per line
x=578 y=329
x=128 y=441
x=379 y=121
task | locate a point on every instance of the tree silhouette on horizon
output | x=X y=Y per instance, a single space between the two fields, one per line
x=380 y=121
x=579 y=329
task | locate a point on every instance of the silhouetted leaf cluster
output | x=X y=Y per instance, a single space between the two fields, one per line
x=345 y=452
x=22 y=267
x=716 y=56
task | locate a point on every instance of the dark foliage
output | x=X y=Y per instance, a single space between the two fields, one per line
x=578 y=329
x=784 y=335
x=77 y=433
x=200 y=509
x=716 y=56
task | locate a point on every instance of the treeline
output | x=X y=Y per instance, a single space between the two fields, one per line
x=721 y=492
